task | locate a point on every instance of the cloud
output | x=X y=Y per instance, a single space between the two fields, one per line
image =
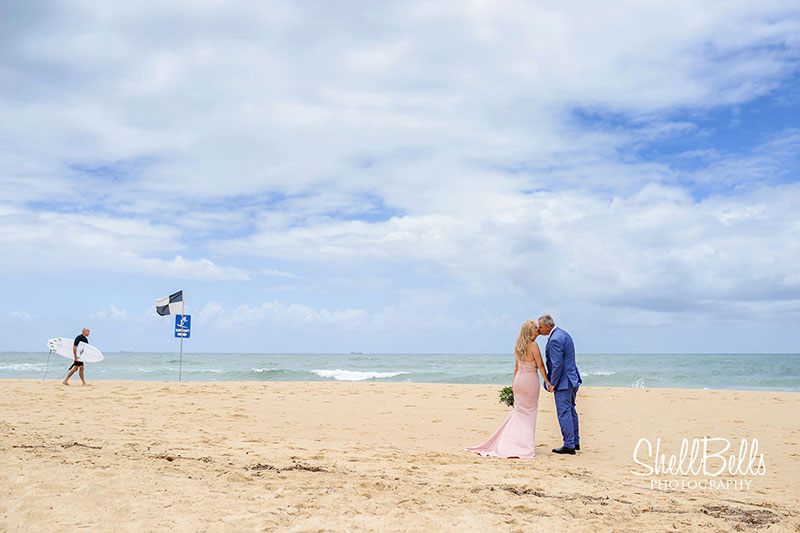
x=483 y=153
x=657 y=249
x=276 y=314
x=112 y=312
x=21 y=316
x=772 y=162
x=40 y=239
x=278 y=273
x=277 y=325
x=281 y=97
x=202 y=269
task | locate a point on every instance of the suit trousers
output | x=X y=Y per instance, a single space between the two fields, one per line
x=568 y=416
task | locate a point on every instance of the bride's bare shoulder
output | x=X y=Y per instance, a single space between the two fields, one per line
x=533 y=350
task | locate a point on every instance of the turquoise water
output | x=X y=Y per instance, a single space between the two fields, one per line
x=697 y=371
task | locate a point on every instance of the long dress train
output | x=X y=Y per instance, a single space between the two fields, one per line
x=516 y=437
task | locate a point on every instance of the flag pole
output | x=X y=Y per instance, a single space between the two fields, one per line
x=183 y=317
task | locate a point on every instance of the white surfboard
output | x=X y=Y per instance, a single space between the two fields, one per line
x=86 y=352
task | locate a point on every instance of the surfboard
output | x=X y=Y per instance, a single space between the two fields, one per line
x=86 y=352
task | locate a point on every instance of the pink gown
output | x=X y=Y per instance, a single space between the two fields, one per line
x=515 y=438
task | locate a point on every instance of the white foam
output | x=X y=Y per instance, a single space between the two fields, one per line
x=354 y=375
x=22 y=366
x=262 y=369
x=601 y=373
x=638 y=384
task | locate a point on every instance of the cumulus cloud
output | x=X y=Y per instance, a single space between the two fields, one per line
x=277 y=325
x=482 y=153
x=277 y=314
x=179 y=267
x=95 y=241
x=112 y=312
x=236 y=99
x=22 y=316
x=656 y=249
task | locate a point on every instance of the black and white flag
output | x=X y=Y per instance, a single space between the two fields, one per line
x=170 y=305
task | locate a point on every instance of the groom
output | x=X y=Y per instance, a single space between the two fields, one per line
x=565 y=380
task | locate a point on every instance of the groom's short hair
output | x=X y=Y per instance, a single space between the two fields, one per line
x=547 y=319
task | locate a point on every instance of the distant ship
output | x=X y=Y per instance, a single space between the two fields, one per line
x=356 y=353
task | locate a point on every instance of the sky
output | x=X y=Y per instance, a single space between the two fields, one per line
x=401 y=177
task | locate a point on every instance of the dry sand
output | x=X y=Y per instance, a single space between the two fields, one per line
x=252 y=456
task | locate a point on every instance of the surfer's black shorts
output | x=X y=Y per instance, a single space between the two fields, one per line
x=77 y=363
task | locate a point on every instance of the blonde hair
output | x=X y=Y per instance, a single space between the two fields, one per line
x=527 y=333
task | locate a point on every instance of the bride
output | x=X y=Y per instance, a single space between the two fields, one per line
x=515 y=438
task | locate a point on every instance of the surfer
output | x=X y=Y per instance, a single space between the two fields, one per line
x=77 y=365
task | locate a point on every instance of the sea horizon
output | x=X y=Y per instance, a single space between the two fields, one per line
x=774 y=371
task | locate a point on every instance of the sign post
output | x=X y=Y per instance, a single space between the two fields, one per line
x=183 y=330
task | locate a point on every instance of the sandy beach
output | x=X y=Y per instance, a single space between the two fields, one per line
x=252 y=456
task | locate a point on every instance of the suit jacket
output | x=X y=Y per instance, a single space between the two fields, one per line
x=561 y=368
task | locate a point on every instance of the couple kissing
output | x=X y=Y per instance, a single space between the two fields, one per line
x=516 y=437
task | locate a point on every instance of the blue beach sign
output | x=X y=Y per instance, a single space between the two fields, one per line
x=183 y=326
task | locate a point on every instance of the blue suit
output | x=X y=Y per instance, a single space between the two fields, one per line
x=564 y=376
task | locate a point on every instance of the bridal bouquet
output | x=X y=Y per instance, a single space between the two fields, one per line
x=507 y=396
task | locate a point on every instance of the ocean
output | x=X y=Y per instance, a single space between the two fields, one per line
x=779 y=372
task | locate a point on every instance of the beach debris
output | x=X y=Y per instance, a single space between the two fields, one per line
x=307 y=468
x=652 y=509
x=68 y=445
x=296 y=466
x=171 y=458
x=259 y=467
x=81 y=445
x=602 y=500
x=756 y=518
x=522 y=492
